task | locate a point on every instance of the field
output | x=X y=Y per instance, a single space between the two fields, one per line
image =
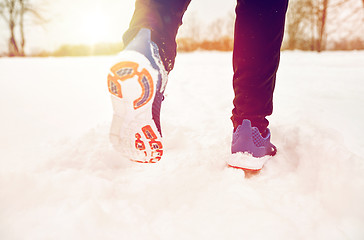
x=60 y=178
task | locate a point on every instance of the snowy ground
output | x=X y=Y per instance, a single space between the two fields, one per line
x=61 y=179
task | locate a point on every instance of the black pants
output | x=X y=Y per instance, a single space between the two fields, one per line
x=258 y=36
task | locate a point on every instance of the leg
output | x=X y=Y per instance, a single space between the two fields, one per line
x=163 y=17
x=137 y=81
x=258 y=36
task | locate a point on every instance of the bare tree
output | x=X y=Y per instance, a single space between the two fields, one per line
x=321 y=22
x=295 y=23
x=301 y=25
x=317 y=13
x=9 y=11
x=21 y=25
x=13 y=12
x=311 y=24
x=349 y=23
x=307 y=24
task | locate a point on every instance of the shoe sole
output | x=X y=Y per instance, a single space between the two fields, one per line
x=247 y=162
x=133 y=132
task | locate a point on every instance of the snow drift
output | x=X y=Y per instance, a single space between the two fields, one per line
x=61 y=179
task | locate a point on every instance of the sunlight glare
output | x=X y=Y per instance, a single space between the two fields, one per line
x=95 y=28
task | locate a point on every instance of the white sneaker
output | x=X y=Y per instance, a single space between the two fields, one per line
x=136 y=84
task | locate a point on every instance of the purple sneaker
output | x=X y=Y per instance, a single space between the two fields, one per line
x=250 y=151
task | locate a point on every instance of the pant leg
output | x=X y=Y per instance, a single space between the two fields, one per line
x=258 y=37
x=163 y=17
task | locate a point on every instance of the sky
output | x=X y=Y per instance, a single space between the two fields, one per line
x=88 y=22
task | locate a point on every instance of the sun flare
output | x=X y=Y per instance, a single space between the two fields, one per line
x=95 y=28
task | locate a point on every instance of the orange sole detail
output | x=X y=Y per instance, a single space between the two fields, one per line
x=155 y=146
x=248 y=172
x=123 y=71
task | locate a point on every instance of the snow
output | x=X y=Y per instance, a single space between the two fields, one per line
x=61 y=179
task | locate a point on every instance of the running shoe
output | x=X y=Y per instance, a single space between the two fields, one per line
x=250 y=150
x=136 y=84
